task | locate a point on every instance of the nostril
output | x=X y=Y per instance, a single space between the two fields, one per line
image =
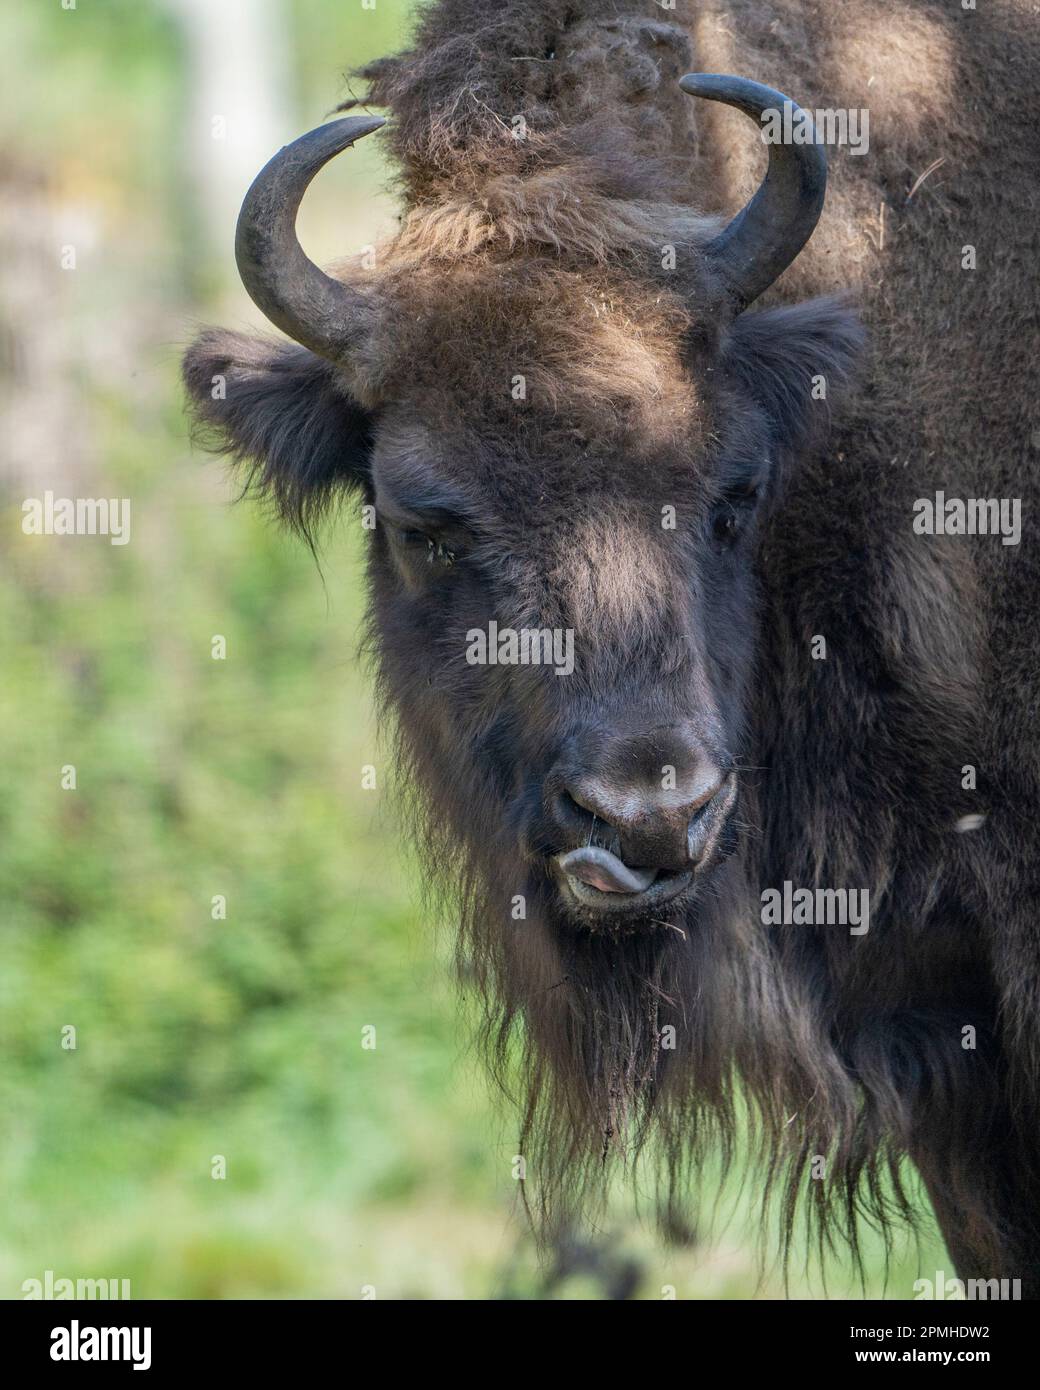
x=590 y=801
x=571 y=811
x=580 y=824
x=703 y=800
x=708 y=814
x=591 y=807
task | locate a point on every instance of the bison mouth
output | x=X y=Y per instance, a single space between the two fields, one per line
x=598 y=882
x=594 y=878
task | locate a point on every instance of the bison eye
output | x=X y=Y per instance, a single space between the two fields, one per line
x=428 y=548
x=729 y=516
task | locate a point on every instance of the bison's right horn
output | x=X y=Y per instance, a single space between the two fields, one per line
x=762 y=240
x=323 y=314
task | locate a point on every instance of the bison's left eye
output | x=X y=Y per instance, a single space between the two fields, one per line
x=730 y=514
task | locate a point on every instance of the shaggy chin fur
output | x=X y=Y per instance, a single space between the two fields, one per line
x=542 y=259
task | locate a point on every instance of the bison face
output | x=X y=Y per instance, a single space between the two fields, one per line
x=564 y=516
x=567 y=456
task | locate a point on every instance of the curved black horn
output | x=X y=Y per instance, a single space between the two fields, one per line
x=321 y=313
x=767 y=235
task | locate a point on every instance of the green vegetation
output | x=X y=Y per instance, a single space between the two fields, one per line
x=198 y=1036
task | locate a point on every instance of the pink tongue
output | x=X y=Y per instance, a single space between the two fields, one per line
x=605 y=871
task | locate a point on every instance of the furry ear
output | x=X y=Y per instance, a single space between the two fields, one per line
x=796 y=361
x=283 y=413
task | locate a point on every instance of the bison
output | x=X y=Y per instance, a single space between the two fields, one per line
x=760 y=853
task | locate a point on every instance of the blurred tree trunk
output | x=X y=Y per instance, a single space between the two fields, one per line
x=239 y=65
x=46 y=439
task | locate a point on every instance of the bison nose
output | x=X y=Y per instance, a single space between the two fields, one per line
x=646 y=800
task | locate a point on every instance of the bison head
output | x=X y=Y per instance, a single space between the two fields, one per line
x=571 y=452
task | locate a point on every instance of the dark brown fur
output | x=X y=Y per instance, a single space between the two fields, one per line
x=542 y=258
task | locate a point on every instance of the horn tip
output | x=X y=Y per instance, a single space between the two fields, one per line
x=693 y=82
x=732 y=90
x=351 y=128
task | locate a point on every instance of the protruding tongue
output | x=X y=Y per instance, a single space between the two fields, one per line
x=605 y=871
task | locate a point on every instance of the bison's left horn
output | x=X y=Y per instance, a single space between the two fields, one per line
x=323 y=314
x=762 y=240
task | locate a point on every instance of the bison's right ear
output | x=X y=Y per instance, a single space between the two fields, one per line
x=284 y=414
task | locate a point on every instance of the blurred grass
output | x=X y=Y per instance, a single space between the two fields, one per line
x=241 y=777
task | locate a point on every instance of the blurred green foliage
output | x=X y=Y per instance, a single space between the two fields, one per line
x=240 y=777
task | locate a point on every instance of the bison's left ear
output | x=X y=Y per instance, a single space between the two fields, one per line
x=284 y=414
x=796 y=361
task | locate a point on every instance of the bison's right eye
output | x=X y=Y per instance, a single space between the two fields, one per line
x=428 y=548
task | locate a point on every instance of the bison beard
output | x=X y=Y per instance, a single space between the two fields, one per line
x=694 y=1026
x=673 y=1047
